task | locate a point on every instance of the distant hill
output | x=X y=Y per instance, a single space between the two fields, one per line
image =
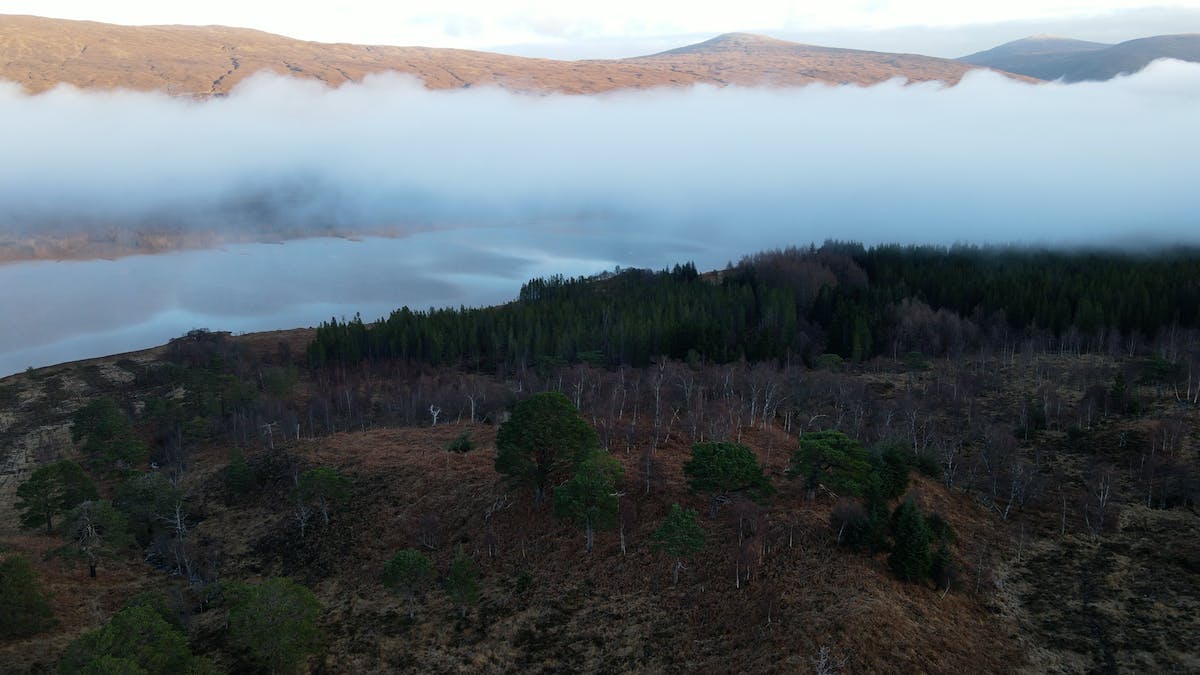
x=1051 y=58
x=40 y=53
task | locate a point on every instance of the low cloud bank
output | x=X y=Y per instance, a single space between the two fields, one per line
x=990 y=160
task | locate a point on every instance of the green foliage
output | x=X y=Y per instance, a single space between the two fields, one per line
x=761 y=309
x=23 y=608
x=462 y=582
x=941 y=568
x=832 y=459
x=543 y=442
x=929 y=467
x=910 y=559
x=137 y=639
x=324 y=486
x=407 y=572
x=279 y=382
x=108 y=437
x=462 y=443
x=275 y=625
x=95 y=529
x=146 y=499
x=52 y=490
x=157 y=602
x=680 y=535
x=240 y=478
x=892 y=461
x=721 y=468
x=589 y=498
x=862 y=527
x=940 y=530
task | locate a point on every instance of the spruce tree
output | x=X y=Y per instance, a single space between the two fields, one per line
x=910 y=559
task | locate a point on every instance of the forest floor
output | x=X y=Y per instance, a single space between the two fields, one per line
x=770 y=591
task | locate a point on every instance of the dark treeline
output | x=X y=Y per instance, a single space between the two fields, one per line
x=800 y=303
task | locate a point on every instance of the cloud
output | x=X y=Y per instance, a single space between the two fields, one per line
x=497 y=187
x=990 y=160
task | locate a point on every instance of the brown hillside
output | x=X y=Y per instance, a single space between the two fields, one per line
x=40 y=53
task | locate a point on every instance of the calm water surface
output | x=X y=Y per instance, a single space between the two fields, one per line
x=63 y=311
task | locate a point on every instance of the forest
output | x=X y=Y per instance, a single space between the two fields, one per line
x=822 y=459
x=798 y=304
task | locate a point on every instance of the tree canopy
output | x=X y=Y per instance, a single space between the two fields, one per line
x=832 y=459
x=679 y=536
x=95 y=529
x=323 y=486
x=50 y=491
x=590 y=498
x=23 y=608
x=721 y=468
x=136 y=640
x=462 y=581
x=107 y=435
x=543 y=442
x=910 y=559
x=275 y=625
x=407 y=572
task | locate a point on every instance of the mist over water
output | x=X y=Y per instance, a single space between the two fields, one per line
x=496 y=187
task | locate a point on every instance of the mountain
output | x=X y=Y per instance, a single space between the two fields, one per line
x=737 y=58
x=1050 y=58
x=40 y=53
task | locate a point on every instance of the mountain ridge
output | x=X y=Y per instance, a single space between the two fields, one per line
x=203 y=61
x=1078 y=61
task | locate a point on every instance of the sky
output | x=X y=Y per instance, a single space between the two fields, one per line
x=615 y=28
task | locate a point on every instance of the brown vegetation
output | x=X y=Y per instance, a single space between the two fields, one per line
x=211 y=60
x=1039 y=587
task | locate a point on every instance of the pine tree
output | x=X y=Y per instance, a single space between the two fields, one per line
x=680 y=536
x=833 y=459
x=543 y=442
x=724 y=468
x=275 y=625
x=52 y=490
x=590 y=497
x=407 y=572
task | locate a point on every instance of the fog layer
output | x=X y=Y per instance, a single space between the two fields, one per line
x=990 y=160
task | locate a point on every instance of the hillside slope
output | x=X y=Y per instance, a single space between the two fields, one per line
x=40 y=53
x=1078 y=61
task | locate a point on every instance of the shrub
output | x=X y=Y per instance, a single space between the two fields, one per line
x=462 y=443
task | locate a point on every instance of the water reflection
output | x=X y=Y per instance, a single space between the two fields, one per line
x=63 y=311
